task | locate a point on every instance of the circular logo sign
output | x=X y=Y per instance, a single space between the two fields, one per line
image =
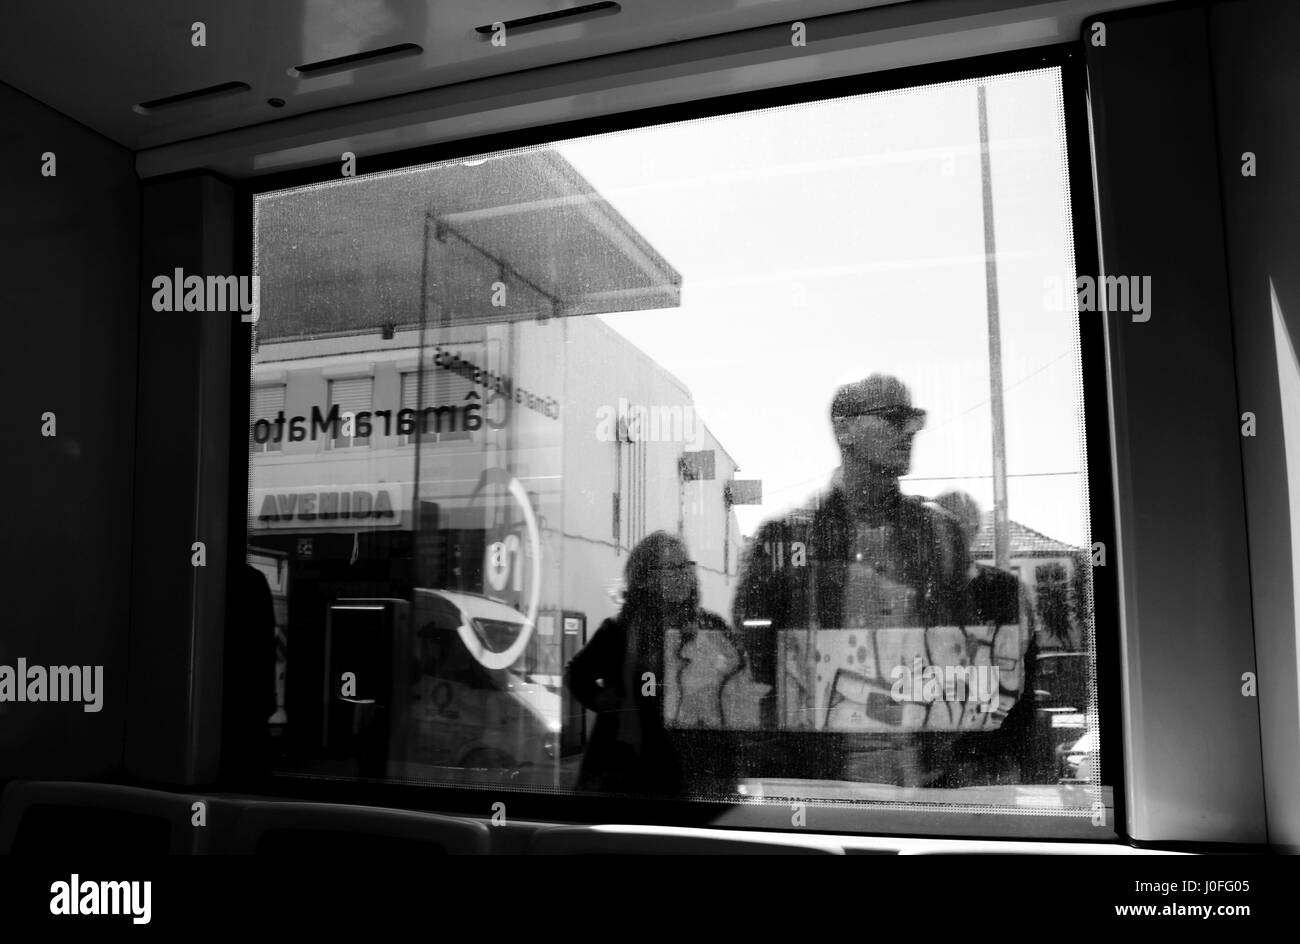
x=504 y=558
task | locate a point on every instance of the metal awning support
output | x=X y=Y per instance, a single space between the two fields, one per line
x=444 y=228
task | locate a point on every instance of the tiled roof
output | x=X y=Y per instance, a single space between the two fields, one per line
x=1023 y=541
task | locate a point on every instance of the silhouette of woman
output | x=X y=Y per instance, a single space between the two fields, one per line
x=619 y=674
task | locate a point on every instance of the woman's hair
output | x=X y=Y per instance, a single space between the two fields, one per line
x=641 y=602
x=641 y=595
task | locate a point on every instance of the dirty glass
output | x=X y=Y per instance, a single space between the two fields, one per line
x=738 y=459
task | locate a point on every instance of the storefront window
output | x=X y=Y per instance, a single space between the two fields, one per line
x=703 y=460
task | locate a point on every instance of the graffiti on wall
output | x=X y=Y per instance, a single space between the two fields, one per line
x=903 y=679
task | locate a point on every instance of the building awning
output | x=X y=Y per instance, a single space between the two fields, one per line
x=346 y=257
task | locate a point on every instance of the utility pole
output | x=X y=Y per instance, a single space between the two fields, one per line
x=418 y=437
x=1001 y=537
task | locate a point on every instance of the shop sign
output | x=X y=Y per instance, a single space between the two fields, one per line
x=329 y=506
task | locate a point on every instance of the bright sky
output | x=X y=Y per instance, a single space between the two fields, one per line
x=819 y=243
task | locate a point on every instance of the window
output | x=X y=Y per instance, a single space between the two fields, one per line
x=353 y=398
x=630 y=497
x=722 y=388
x=268 y=403
x=443 y=415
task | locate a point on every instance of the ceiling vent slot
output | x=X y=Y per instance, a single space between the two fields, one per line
x=187 y=98
x=554 y=18
x=356 y=60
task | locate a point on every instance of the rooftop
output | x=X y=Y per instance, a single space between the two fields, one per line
x=1024 y=541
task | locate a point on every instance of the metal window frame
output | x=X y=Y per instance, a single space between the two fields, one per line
x=844 y=818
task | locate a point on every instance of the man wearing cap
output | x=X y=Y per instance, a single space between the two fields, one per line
x=861 y=555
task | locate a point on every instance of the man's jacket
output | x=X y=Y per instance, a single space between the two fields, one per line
x=820 y=568
x=797 y=569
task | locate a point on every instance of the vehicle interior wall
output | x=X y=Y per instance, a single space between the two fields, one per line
x=68 y=280
x=183 y=452
x=1257 y=82
x=1184 y=567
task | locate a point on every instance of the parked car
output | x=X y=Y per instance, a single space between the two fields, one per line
x=1078 y=760
x=1062 y=680
x=464 y=713
x=1061 y=693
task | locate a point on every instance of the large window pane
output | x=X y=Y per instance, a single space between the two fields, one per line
x=683 y=471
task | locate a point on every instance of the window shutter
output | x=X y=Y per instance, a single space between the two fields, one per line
x=410 y=389
x=351 y=395
x=267 y=402
x=448 y=389
x=441 y=388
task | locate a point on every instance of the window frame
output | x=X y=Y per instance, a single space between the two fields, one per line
x=879 y=819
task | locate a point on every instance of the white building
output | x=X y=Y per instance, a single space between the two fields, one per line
x=464 y=298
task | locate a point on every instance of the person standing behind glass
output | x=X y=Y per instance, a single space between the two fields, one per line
x=875 y=558
x=630 y=751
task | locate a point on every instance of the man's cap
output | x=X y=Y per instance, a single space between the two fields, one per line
x=879 y=393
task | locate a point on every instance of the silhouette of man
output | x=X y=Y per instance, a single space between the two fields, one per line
x=859 y=556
